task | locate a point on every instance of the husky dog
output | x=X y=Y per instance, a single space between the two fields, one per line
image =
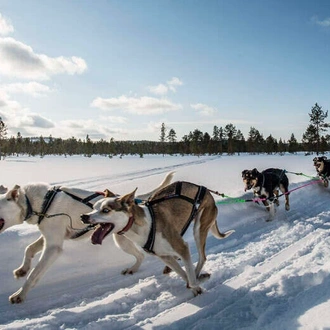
x=322 y=166
x=57 y=212
x=265 y=185
x=159 y=224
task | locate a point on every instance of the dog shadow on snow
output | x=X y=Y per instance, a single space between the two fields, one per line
x=227 y=309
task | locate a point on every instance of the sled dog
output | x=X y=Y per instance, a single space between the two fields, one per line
x=322 y=166
x=159 y=224
x=57 y=213
x=265 y=185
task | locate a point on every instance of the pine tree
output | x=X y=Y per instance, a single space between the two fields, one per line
x=312 y=136
x=230 y=132
x=293 y=146
x=162 y=138
x=3 y=135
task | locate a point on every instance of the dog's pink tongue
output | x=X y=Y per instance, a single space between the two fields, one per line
x=100 y=233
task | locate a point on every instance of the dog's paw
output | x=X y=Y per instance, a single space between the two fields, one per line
x=19 y=272
x=166 y=270
x=203 y=277
x=127 y=271
x=196 y=290
x=287 y=207
x=326 y=183
x=17 y=297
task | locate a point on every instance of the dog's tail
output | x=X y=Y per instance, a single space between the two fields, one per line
x=216 y=232
x=167 y=180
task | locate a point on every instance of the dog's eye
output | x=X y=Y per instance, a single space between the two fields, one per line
x=105 y=210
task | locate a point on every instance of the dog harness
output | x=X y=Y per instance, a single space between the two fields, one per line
x=148 y=247
x=270 y=185
x=48 y=199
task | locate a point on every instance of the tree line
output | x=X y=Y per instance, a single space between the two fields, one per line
x=228 y=139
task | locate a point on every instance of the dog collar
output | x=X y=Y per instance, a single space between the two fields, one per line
x=29 y=211
x=128 y=226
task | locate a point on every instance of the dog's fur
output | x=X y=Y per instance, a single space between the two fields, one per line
x=322 y=166
x=170 y=216
x=13 y=210
x=265 y=185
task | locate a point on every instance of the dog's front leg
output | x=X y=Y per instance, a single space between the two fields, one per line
x=172 y=264
x=265 y=202
x=192 y=280
x=182 y=250
x=49 y=255
x=271 y=212
x=129 y=247
x=30 y=251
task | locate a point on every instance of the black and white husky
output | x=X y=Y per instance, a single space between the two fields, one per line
x=265 y=185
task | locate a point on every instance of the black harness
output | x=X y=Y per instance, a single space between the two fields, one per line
x=270 y=179
x=148 y=247
x=48 y=199
x=326 y=169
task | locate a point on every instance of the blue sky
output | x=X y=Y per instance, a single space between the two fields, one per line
x=121 y=68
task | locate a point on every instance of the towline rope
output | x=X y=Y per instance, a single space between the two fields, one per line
x=232 y=200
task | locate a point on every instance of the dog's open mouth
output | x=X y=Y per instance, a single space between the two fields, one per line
x=101 y=231
x=2 y=223
x=248 y=186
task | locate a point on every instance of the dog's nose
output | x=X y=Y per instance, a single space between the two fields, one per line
x=84 y=218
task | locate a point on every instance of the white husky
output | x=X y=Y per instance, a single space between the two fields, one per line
x=57 y=212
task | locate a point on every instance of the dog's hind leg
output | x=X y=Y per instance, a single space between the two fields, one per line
x=200 y=234
x=285 y=191
x=129 y=247
x=30 y=251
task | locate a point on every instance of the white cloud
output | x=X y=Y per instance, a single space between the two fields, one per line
x=114 y=119
x=173 y=83
x=16 y=120
x=142 y=106
x=162 y=89
x=5 y=26
x=324 y=23
x=80 y=129
x=31 y=88
x=19 y=60
x=204 y=109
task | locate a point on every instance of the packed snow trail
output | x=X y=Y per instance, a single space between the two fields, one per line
x=267 y=275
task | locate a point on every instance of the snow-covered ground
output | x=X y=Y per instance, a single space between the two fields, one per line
x=267 y=275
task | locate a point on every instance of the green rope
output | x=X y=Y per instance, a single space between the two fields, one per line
x=231 y=200
x=307 y=176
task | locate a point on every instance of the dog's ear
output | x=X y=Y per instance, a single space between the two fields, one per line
x=108 y=193
x=3 y=189
x=128 y=198
x=255 y=172
x=13 y=194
